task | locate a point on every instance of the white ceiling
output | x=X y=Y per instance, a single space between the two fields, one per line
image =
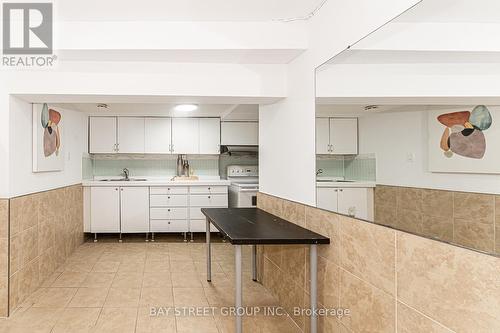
x=181 y=10
x=225 y=111
x=447 y=11
x=359 y=109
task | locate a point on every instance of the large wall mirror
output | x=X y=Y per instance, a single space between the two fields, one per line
x=408 y=134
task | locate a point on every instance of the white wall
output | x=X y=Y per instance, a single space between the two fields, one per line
x=4 y=145
x=392 y=136
x=22 y=179
x=286 y=129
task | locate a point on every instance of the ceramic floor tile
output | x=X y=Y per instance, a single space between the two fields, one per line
x=76 y=320
x=106 y=266
x=89 y=298
x=196 y=325
x=156 y=280
x=98 y=280
x=128 y=280
x=156 y=297
x=185 y=280
x=189 y=297
x=153 y=323
x=119 y=320
x=70 y=279
x=122 y=298
x=54 y=297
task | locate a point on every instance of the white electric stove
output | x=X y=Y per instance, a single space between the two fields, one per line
x=244 y=185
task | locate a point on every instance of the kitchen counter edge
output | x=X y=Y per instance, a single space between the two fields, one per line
x=98 y=183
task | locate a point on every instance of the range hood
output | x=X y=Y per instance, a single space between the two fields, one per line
x=229 y=149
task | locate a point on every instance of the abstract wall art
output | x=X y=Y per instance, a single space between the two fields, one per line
x=47 y=139
x=464 y=140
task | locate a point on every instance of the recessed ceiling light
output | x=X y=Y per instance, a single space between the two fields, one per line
x=102 y=107
x=186 y=107
x=371 y=107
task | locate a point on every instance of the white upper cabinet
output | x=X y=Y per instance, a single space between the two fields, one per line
x=209 y=136
x=131 y=135
x=337 y=136
x=344 y=136
x=322 y=136
x=239 y=133
x=185 y=135
x=102 y=135
x=157 y=132
x=139 y=135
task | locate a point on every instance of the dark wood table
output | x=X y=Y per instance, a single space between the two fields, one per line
x=253 y=226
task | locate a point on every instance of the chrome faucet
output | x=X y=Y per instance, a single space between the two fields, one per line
x=126 y=173
x=319 y=172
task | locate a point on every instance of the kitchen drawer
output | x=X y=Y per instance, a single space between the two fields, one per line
x=169 y=226
x=208 y=200
x=208 y=189
x=196 y=214
x=157 y=213
x=165 y=200
x=200 y=226
x=169 y=190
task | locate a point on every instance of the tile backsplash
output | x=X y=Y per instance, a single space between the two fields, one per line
x=161 y=165
x=360 y=167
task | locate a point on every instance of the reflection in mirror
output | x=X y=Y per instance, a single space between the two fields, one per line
x=425 y=165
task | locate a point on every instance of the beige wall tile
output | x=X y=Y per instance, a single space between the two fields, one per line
x=497 y=224
x=368 y=251
x=386 y=215
x=477 y=233
x=438 y=227
x=45 y=227
x=270 y=204
x=371 y=309
x=327 y=224
x=4 y=218
x=458 y=287
x=410 y=199
x=412 y=321
x=410 y=220
x=294 y=263
x=437 y=203
x=294 y=212
x=473 y=206
x=328 y=283
x=386 y=195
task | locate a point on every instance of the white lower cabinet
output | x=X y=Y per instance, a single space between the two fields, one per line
x=119 y=209
x=134 y=209
x=356 y=201
x=144 y=209
x=104 y=209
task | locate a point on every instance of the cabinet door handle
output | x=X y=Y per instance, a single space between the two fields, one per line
x=341 y=190
x=169 y=210
x=209 y=197
x=116 y=189
x=168 y=197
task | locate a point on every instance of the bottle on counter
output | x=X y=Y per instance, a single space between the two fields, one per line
x=185 y=169
x=180 y=166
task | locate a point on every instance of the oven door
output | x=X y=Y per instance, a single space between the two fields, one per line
x=247 y=198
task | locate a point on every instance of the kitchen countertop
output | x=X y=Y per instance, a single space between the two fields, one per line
x=157 y=181
x=336 y=182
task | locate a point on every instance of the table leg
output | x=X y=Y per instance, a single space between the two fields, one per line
x=209 y=254
x=239 y=290
x=254 y=262
x=314 y=287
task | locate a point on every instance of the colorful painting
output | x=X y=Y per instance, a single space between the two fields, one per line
x=462 y=141
x=46 y=139
x=463 y=134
